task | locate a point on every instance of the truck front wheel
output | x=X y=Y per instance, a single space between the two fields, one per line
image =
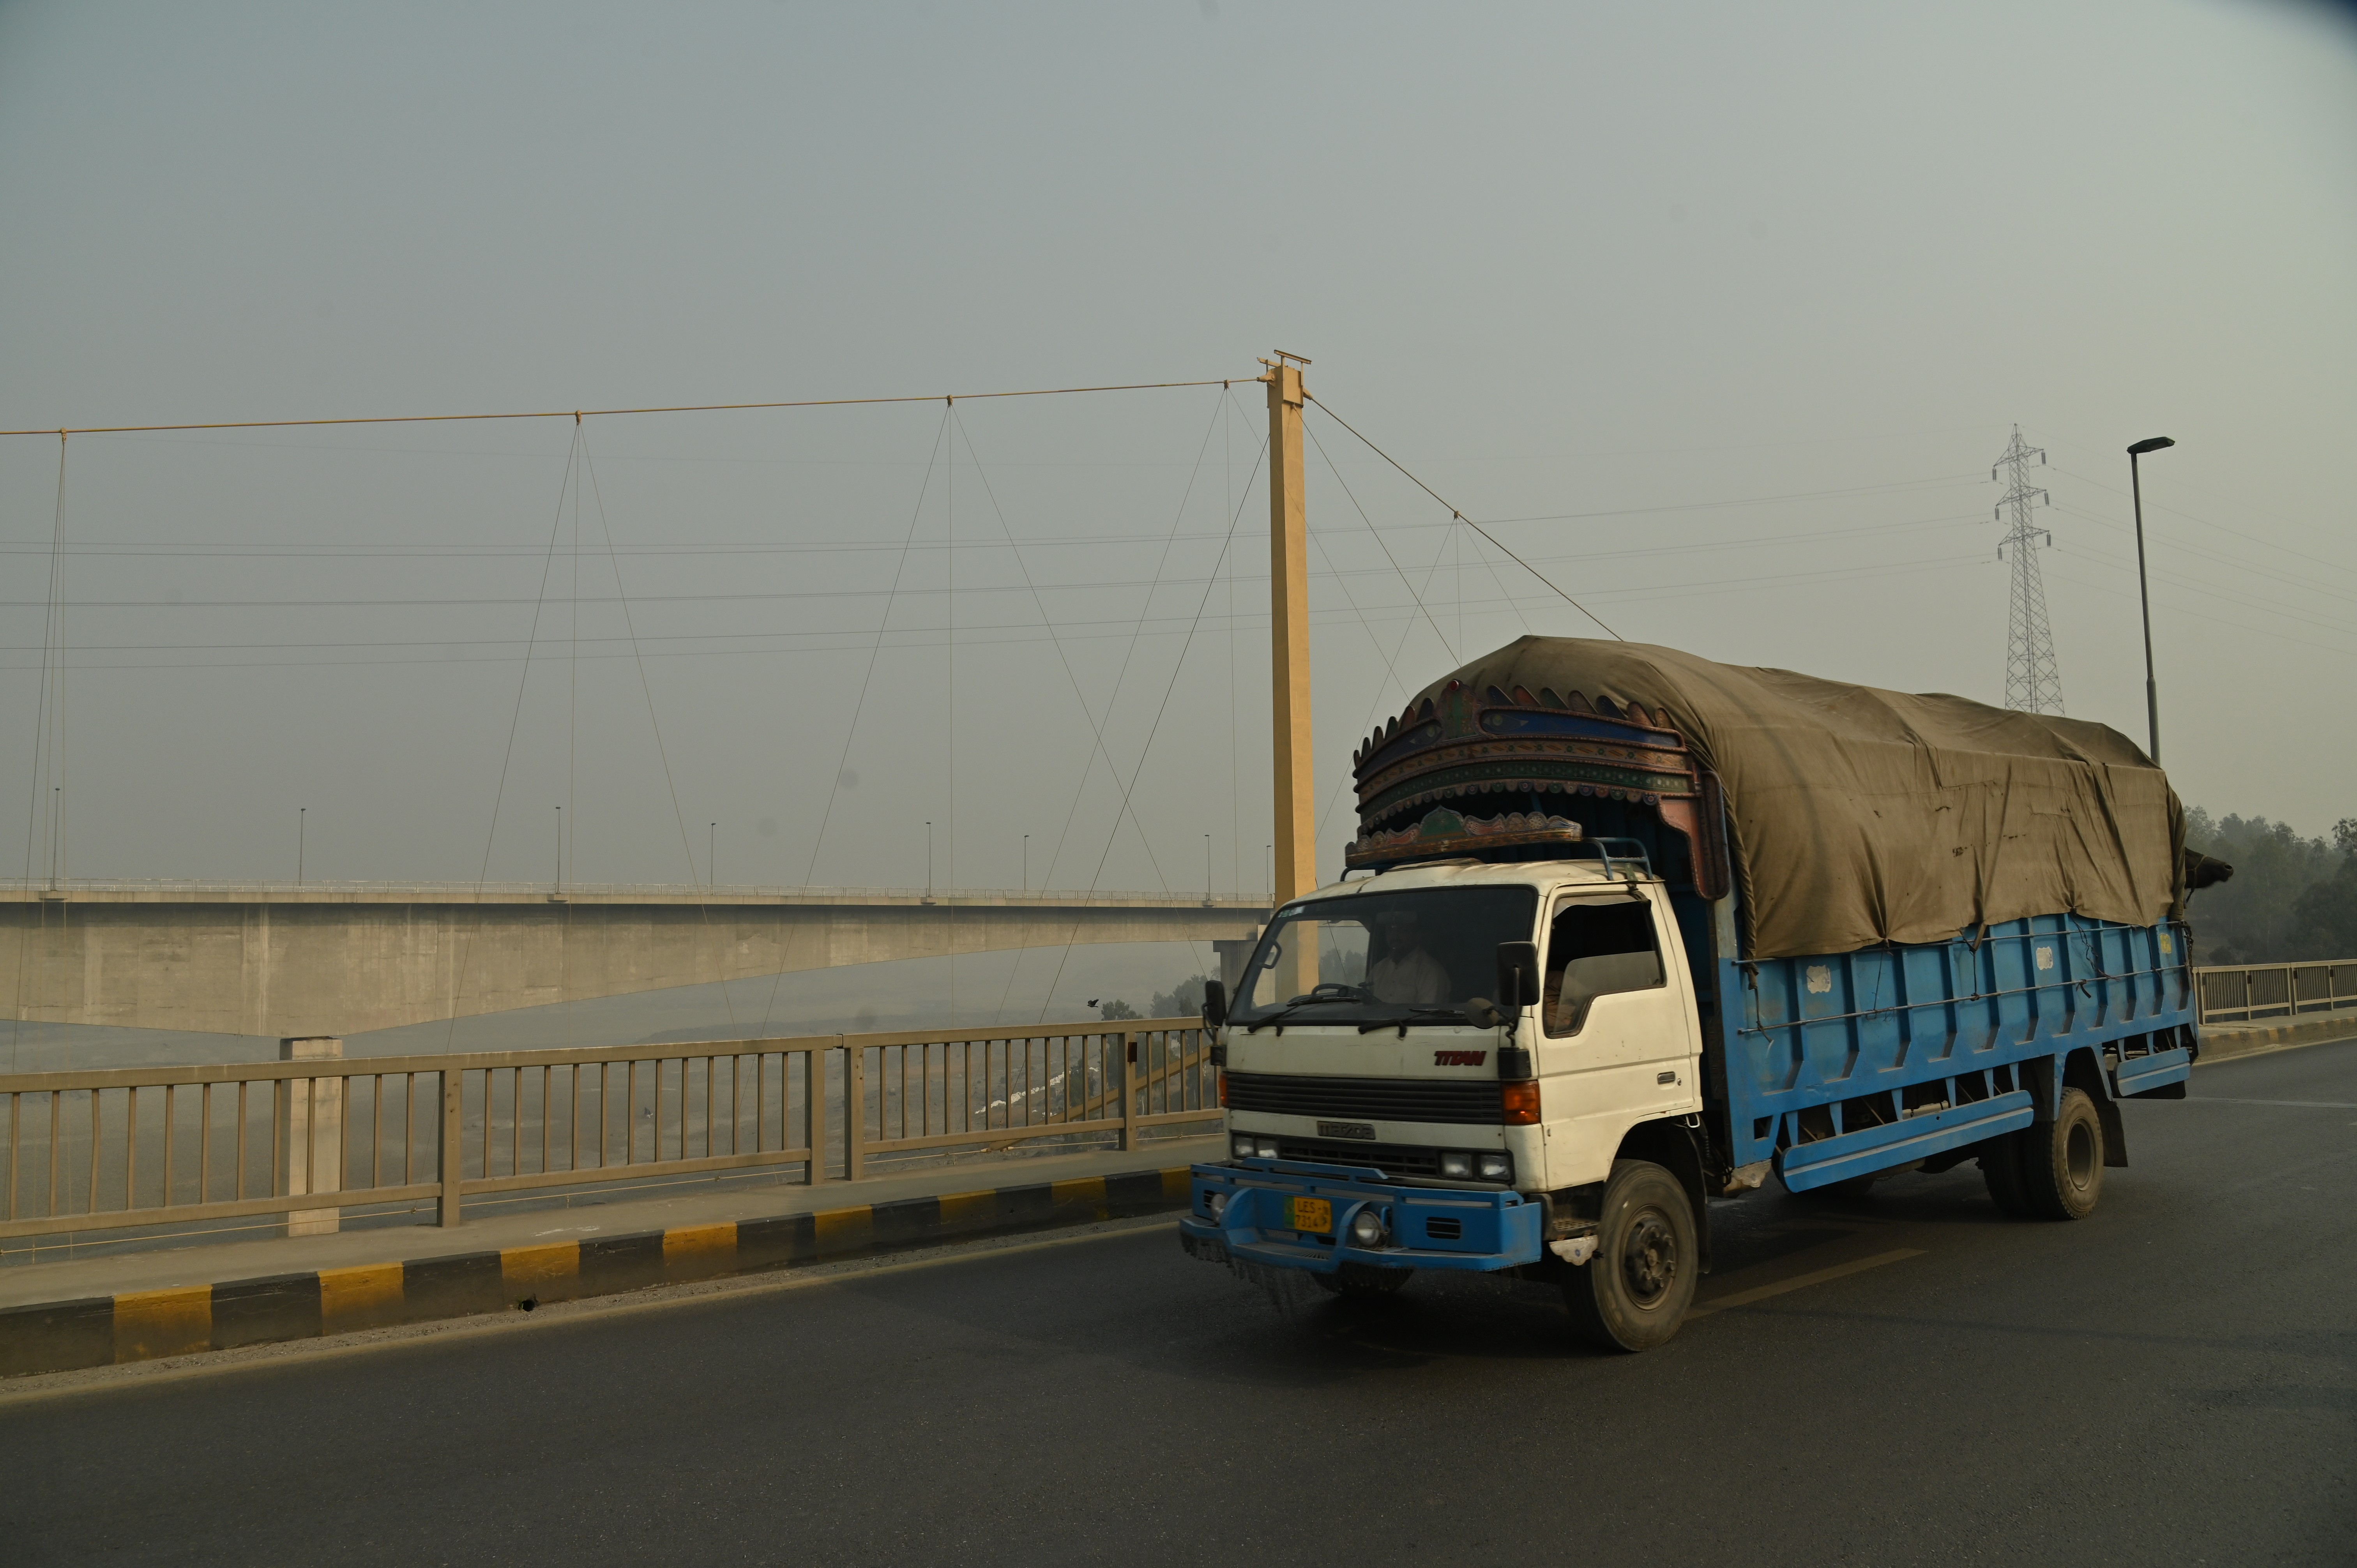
x=1631 y=1295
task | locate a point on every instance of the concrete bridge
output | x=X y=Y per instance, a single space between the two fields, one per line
x=341 y=958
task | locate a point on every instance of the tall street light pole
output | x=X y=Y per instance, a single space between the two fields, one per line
x=2143 y=593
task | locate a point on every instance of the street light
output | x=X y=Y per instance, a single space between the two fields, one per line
x=2144 y=593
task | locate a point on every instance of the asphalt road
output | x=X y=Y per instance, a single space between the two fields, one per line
x=2171 y=1381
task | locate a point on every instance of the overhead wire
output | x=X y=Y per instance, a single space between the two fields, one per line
x=515 y=720
x=2153 y=505
x=1383 y=689
x=189 y=549
x=1121 y=675
x=1072 y=677
x=859 y=703
x=1458 y=514
x=1146 y=750
x=2197 y=614
x=52 y=637
x=687 y=849
x=577 y=415
x=1377 y=534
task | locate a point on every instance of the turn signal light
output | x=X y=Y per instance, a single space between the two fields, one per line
x=1522 y=1102
x=1223 y=1094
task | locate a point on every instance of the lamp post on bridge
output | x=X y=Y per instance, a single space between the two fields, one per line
x=2143 y=593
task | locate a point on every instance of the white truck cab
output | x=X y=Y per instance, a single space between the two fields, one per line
x=1356 y=1076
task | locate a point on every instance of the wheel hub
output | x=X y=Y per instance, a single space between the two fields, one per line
x=2078 y=1156
x=1649 y=1258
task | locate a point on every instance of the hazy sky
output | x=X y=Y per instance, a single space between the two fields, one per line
x=1740 y=302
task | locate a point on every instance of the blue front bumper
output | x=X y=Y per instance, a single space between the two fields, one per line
x=1425 y=1226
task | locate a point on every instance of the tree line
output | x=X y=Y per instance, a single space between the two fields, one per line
x=2290 y=900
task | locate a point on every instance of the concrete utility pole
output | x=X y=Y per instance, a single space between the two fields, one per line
x=1295 y=867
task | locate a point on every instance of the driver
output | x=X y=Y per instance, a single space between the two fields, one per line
x=1407 y=974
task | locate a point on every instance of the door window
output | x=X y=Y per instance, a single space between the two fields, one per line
x=1596 y=947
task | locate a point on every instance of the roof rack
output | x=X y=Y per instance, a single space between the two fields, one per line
x=1635 y=851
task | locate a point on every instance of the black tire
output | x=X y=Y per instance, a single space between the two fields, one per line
x=2062 y=1162
x=1635 y=1291
x=2001 y=1174
x=1362 y=1281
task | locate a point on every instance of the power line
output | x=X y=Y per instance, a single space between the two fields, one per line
x=1460 y=517
x=581 y=413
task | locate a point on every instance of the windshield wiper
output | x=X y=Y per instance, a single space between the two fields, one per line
x=1290 y=1008
x=1416 y=1016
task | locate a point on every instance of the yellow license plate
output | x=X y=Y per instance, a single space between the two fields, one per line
x=1313 y=1214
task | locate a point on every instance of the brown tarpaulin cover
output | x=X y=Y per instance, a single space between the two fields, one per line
x=1858 y=816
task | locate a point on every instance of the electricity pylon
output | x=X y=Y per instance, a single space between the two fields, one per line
x=2033 y=682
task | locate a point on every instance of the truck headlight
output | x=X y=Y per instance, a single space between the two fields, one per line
x=1216 y=1202
x=1242 y=1146
x=1367 y=1227
x=1457 y=1167
x=1495 y=1168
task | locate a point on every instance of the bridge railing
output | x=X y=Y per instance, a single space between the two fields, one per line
x=299 y=1143
x=2249 y=993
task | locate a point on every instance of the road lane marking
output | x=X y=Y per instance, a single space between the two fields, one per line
x=1800 y=1282
x=2301 y=1104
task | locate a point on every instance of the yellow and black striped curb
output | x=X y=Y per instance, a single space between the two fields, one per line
x=138 y=1325
x=2224 y=1044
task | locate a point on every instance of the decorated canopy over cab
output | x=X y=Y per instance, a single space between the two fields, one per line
x=1846 y=816
x=1468 y=770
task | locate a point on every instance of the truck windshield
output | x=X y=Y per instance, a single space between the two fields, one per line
x=1382 y=957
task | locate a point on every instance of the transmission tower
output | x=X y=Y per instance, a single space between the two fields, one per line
x=2033 y=683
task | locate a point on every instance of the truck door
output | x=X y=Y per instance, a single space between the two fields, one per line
x=1616 y=1036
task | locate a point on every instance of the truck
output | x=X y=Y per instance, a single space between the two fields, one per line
x=1626 y=932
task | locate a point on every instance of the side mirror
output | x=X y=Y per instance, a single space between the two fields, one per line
x=1518 y=974
x=1215 y=1004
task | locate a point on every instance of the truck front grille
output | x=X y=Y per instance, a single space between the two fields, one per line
x=1392 y=1159
x=1473 y=1103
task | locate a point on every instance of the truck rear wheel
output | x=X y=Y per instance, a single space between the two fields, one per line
x=1362 y=1280
x=2062 y=1162
x=1632 y=1293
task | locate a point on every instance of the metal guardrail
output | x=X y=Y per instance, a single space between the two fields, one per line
x=2246 y=993
x=115 y=1149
